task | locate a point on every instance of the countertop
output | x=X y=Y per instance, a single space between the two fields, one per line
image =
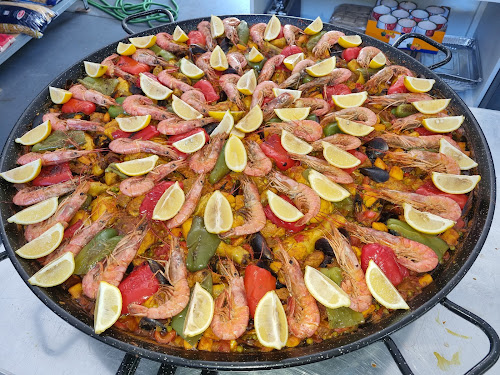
x=35 y=341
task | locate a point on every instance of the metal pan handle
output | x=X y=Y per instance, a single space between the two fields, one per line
x=481 y=367
x=144 y=14
x=433 y=43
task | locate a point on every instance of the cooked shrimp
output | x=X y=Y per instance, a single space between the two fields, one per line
x=412 y=121
x=173 y=83
x=297 y=73
x=308 y=130
x=228 y=83
x=366 y=55
x=197 y=100
x=302 y=312
x=148 y=57
x=305 y=198
x=339 y=75
x=343 y=141
x=204 y=28
x=82 y=93
x=407 y=142
x=203 y=62
x=139 y=185
x=230 y=25
x=290 y=32
x=282 y=101
x=353 y=282
x=138 y=105
x=53 y=157
x=71 y=123
x=171 y=299
x=396 y=99
x=255 y=218
x=169 y=127
x=112 y=269
x=166 y=42
x=258 y=163
x=115 y=71
x=32 y=195
x=426 y=160
x=318 y=106
x=203 y=161
x=411 y=254
x=384 y=76
x=327 y=41
x=269 y=67
x=128 y=146
x=333 y=173
x=237 y=61
x=362 y=115
x=231 y=312
x=257 y=34
x=263 y=90
x=192 y=199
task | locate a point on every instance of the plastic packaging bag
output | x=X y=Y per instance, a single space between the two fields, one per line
x=30 y=19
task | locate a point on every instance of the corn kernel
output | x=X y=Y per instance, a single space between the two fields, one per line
x=369 y=201
x=217 y=289
x=380 y=164
x=425 y=280
x=239 y=349
x=379 y=127
x=309 y=341
x=396 y=173
x=450 y=236
x=414 y=134
x=77 y=117
x=76 y=290
x=232 y=345
x=292 y=341
x=380 y=226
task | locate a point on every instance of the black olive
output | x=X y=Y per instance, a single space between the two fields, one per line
x=324 y=246
x=151 y=324
x=135 y=90
x=158 y=271
x=376 y=148
x=230 y=71
x=260 y=248
x=211 y=127
x=375 y=173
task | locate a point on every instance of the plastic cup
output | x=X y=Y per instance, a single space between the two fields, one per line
x=440 y=21
x=405 y=25
x=380 y=10
x=426 y=28
x=400 y=13
x=419 y=15
x=393 y=4
x=387 y=22
x=407 y=5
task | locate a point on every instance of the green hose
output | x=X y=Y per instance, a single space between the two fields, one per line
x=122 y=9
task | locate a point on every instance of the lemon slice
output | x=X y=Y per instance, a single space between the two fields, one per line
x=252 y=120
x=382 y=289
x=36 y=213
x=281 y=208
x=454 y=184
x=94 y=70
x=235 y=154
x=322 y=68
x=55 y=272
x=44 y=244
x=219 y=115
x=418 y=84
x=326 y=188
x=59 y=96
x=378 y=61
x=218 y=59
x=464 y=162
x=191 y=144
x=179 y=35
x=292 y=114
x=153 y=89
x=292 y=60
x=350 y=100
x=108 y=307
x=324 y=290
x=338 y=157
x=134 y=123
x=146 y=41
x=426 y=222
x=218 y=216
x=294 y=144
x=431 y=107
x=125 y=49
x=169 y=203
x=314 y=27
x=348 y=41
x=353 y=128
x=138 y=167
x=247 y=83
x=270 y=321
x=36 y=135
x=273 y=28
x=199 y=313
x=295 y=93
x=237 y=133
x=255 y=55
x=443 y=124
x=24 y=173
x=184 y=110
x=216 y=26
x=191 y=70
x=225 y=126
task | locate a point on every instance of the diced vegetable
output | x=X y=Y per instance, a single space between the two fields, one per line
x=131 y=66
x=53 y=174
x=76 y=106
x=385 y=258
x=404 y=110
x=258 y=281
x=331 y=129
x=208 y=90
x=350 y=53
x=291 y=50
x=138 y=286
x=334 y=273
x=314 y=40
x=274 y=150
x=148 y=132
x=196 y=37
x=398 y=87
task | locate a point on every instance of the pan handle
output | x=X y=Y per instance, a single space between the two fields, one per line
x=144 y=14
x=481 y=367
x=433 y=43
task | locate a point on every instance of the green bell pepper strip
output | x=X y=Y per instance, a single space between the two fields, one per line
x=59 y=139
x=97 y=249
x=105 y=86
x=201 y=245
x=314 y=40
x=162 y=53
x=243 y=32
x=404 y=110
x=331 y=129
x=221 y=169
x=334 y=273
x=257 y=66
x=111 y=168
x=344 y=317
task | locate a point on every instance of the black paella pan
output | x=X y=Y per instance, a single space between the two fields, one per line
x=446 y=277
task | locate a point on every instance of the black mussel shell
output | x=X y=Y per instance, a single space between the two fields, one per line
x=375 y=173
x=230 y=71
x=225 y=45
x=235 y=190
x=260 y=248
x=279 y=285
x=149 y=324
x=101 y=141
x=158 y=271
x=324 y=246
x=326 y=261
x=135 y=90
x=376 y=148
x=211 y=127
x=196 y=49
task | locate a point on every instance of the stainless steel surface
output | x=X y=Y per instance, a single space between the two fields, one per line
x=36 y=341
x=351 y=16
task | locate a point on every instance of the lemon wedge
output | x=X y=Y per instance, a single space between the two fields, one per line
x=200 y=312
x=252 y=120
x=191 y=144
x=283 y=209
x=295 y=93
x=216 y=26
x=138 y=167
x=255 y=56
x=292 y=60
x=218 y=216
x=292 y=114
x=294 y=144
x=353 y=128
x=322 y=68
x=326 y=188
x=348 y=41
x=108 y=307
x=36 y=135
x=464 y=162
x=218 y=59
x=184 y=110
x=190 y=70
x=225 y=126
x=36 y=213
x=314 y=27
x=43 y=245
x=426 y=222
x=134 y=123
x=382 y=289
x=270 y=321
x=453 y=183
x=146 y=41
x=179 y=35
x=431 y=107
x=219 y=115
x=169 y=203
x=235 y=154
x=24 y=173
x=247 y=83
x=324 y=290
x=55 y=272
x=338 y=157
x=94 y=70
x=443 y=124
x=418 y=84
x=273 y=28
x=350 y=100
x=378 y=61
x=153 y=89
x=125 y=49
x=237 y=133
x=59 y=96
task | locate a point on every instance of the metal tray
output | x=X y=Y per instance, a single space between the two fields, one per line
x=351 y=16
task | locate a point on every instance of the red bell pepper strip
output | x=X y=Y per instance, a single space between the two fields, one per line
x=385 y=258
x=208 y=90
x=154 y=195
x=53 y=174
x=70 y=231
x=148 y=132
x=120 y=134
x=196 y=37
x=258 y=281
x=131 y=66
x=428 y=188
x=138 y=286
x=291 y=50
x=398 y=87
x=292 y=227
x=360 y=156
x=423 y=131
x=178 y=137
x=75 y=106
x=350 y=53
x=340 y=89
x=274 y=150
